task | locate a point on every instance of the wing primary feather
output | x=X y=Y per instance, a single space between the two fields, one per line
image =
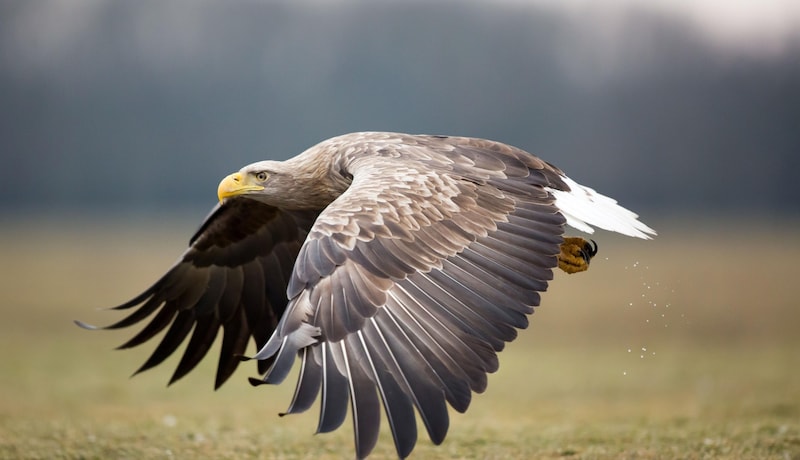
x=165 y=289
x=168 y=287
x=205 y=330
x=253 y=301
x=440 y=284
x=143 y=296
x=282 y=363
x=308 y=383
x=494 y=302
x=427 y=388
x=195 y=287
x=523 y=252
x=235 y=333
x=333 y=408
x=176 y=333
x=393 y=386
x=485 y=299
x=156 y=325
x=214 y=288
x=504 y=266
x=228 y=306
x=521 y=232
x=139 y=314
x=542 y=220
x=508 y=303
x=424 y=328
x=363 y=401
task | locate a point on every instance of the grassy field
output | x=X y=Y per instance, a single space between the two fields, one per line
x=684 y=347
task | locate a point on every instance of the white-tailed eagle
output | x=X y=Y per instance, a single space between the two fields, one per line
x=395 y=266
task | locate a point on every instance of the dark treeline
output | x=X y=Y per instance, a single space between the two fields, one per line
x=136 y=103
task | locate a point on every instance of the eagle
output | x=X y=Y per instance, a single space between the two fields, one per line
x=393 y=267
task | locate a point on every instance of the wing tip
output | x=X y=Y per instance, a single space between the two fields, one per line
x=256 y=382
x=87 y=326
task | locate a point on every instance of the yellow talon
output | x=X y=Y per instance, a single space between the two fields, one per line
x=576 y=254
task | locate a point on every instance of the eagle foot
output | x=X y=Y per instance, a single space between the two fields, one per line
x=576 y=254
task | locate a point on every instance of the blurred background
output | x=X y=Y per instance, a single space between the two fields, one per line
x=668 y=105
x=118 y=119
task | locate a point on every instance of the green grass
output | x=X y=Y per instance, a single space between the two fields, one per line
x=709 y=315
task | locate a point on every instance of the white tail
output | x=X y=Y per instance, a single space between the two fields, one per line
x=584 y=207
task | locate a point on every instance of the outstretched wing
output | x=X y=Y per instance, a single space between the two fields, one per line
x=411 y=281
x=233 y=276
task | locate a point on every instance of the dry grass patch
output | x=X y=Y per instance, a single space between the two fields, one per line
x=685 y=347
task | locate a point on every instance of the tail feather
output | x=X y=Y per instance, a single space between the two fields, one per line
x=585 y=208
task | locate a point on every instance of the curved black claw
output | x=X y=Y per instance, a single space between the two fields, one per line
x=589 y=250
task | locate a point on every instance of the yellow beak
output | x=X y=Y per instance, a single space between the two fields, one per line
x=236 y=184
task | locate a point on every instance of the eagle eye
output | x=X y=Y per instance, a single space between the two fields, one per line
x=262 y=176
